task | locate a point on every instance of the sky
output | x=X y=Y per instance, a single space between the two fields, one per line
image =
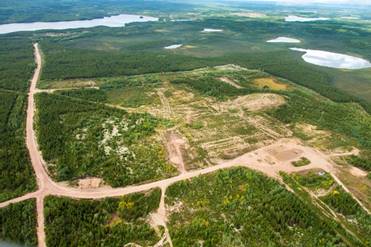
x=368 y=2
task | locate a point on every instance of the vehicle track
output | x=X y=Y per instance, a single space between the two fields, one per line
x=252 y=160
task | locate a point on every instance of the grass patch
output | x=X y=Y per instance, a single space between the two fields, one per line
x=301 y=162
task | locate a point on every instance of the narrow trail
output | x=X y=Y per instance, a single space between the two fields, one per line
x=259 y=160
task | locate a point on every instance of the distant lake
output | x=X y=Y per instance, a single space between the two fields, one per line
x=284 y=40
x=112 y=21
x=333 y=60
x=295 y=18
x=7 y=244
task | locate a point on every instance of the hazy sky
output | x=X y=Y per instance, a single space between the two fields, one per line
x=324 y=1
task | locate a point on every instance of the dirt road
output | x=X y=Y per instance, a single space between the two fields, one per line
x=262 y=160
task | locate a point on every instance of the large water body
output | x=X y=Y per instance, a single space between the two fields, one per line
x=333 y=60
x=112 y=21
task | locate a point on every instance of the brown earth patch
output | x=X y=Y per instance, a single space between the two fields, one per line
x=253 y=102
x=271 y=83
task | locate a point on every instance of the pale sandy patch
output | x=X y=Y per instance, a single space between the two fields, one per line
x=357 y=172
x=230 y=82
x=253 y=102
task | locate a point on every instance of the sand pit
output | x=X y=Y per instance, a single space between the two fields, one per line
x=253 y=102
x=230 y=82
x=175 y=145
x=90 y=183
x=285 y=154
x=357 y=172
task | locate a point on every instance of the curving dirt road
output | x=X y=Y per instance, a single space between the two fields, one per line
x=269 y=160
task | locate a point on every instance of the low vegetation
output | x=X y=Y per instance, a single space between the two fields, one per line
x=81 y=139
x=18 y=223
x=109 y=222
x=315 y=180
x=301 y=162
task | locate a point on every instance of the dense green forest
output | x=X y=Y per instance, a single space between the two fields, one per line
x=16 y=62
x=17 y=176
x=108 y=222
x=80 y=139
x=18 y=223
x=239 y=207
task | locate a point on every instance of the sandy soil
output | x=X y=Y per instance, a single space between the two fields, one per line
x=253 y=102
x=357 y=172
x=90 y=183
x=175 y=145
x=259 y=160
x=230 y=82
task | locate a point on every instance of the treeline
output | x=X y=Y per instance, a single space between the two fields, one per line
x=239 y=207
x=76 y=138
x=108 y=222
x=18 y=223
x=17 y=176
x=16 y=62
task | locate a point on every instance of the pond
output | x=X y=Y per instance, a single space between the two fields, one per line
x=112 y=21
x=172 y=47
x=212 y=30
x=284 y=40
x=333 y=60
x=295 y=18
